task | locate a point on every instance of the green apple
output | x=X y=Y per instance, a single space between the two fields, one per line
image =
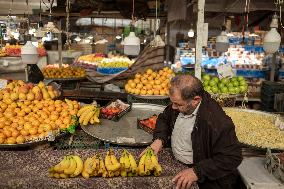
x=242 y=83
x=241 y=78
x=216 y=79
x=235 y=83
x=234 y=79
x=212 y=83
x=224 y=90
x=207 y=88
x=206 y=82
x=215 y=89
x=206 y=77
x=230 y=85
x=225 y=81
x=243 y=88
x=232 y=90
x=221 y=85
x=237 y=90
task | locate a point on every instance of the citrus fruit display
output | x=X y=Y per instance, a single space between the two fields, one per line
x=19 y=90
x=31 y=120
x=66 y=71
x=150 y=82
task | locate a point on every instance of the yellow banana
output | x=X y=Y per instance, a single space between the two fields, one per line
x=158 y=170
x=97 y=112
x=96 y=163
x=110 y=174
x=88 y=117
x=56 y=175
x=157 y=166
x=109 y=165
x=64 y=164
x=133 y=163
x=121 y=161
x=141 y=165
x=107 y=160
x=114 y=162
x=102 y=169
x=154 y=160
x=85 y=108
x=79 y=167
x=126 y=161
x=85 y=175
x=84 y=114
x=92 y=121
x=70 y=170
x=123 y=173
x=148 y=164
x=57 y=167
x=62 y=175
x=88 y=165
x=96 y=119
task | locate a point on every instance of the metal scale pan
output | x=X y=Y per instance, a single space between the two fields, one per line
x=125 y=131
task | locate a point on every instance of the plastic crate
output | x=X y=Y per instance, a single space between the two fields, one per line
x=272 y=87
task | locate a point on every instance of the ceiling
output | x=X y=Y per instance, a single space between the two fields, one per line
x=142 y=7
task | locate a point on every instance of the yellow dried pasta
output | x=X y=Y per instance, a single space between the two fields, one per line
x=257 y=129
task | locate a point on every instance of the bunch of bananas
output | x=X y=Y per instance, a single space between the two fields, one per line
x=94 y=166
x=112 y=165
x=69 y=166
x=128 y=165
x=72 y=166
x=89 y=114
x=148 y=164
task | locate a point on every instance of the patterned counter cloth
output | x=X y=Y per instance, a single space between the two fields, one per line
x=28 y=169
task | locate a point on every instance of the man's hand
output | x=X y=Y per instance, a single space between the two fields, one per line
x=184 y=179
x=157 y=146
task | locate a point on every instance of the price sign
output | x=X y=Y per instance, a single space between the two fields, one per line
x=3 y=83
x=225 y=70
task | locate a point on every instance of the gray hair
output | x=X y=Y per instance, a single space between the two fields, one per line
x=188 y=86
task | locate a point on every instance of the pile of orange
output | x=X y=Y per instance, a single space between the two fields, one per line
x=64 y=72
x=150 y=82
x=29 y=120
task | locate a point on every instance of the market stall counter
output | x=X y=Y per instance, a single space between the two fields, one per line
x=29 y=169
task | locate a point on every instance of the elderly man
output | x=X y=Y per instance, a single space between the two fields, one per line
x=202 y=137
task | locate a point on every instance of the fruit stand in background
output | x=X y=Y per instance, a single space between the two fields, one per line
x=90 y=61
x=15 y=50
x=150 y=83
x=65 y=72
x=112 y=64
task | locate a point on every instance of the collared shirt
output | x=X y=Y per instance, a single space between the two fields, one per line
x=181 y=136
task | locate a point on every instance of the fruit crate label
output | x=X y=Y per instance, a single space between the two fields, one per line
x=3 y=83
x=125 y=140
x=225 y=70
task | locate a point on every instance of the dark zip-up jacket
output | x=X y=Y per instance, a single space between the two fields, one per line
x=216 y=150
